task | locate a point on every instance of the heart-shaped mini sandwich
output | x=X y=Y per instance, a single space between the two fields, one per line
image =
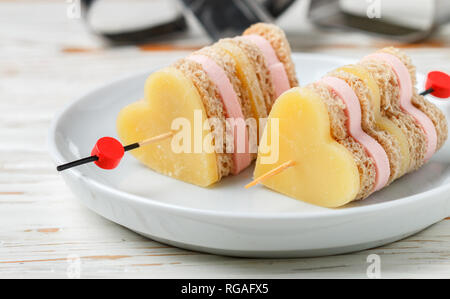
x=370 y=111
x=229 y=84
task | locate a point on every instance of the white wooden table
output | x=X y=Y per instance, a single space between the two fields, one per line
x=47 y=60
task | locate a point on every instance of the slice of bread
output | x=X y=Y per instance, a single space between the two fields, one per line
x=280 y=44
x=214 y=111
x=433 y=113
x=262 y=70
x=249 y=74
x=226 y=62
x=339 y=131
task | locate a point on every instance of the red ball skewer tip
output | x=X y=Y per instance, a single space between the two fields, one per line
x=439 y=82
x=109 y=152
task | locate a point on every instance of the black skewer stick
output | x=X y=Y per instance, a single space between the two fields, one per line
x=131 y=146
x=428 y=91
x=76 y=163
x=91 y=158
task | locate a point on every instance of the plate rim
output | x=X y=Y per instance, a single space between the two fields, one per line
x=57 y=158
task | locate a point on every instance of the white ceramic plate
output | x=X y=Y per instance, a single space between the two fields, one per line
x=226 y=218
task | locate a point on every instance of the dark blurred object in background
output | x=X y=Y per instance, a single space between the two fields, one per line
x=405 y=20
x=219 y=18
x=224 y=18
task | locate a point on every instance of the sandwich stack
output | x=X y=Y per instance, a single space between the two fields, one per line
x=356 y=130
x=235 y=79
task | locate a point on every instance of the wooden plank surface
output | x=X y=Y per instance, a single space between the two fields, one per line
x=47 y=60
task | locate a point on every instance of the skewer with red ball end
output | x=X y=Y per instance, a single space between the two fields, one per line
x=108 y=152
x=438 y=85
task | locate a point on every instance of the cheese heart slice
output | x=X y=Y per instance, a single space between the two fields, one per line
x=325 y=173
x=170 y=96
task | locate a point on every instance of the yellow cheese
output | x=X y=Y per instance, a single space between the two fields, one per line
x=325 y=173
x=247 y=77
x=170 y=96
x=382 y=122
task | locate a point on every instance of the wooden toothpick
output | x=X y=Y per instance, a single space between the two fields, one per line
x=271 y=173
x=148 y=141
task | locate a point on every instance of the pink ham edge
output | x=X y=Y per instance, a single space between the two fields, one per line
x=232 y=108
x=353 y=111
x=405 y=84
x=277 y=71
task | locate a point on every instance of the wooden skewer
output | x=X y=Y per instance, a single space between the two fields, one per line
x=156 y=138
x=271 y=173
x=148 y=141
